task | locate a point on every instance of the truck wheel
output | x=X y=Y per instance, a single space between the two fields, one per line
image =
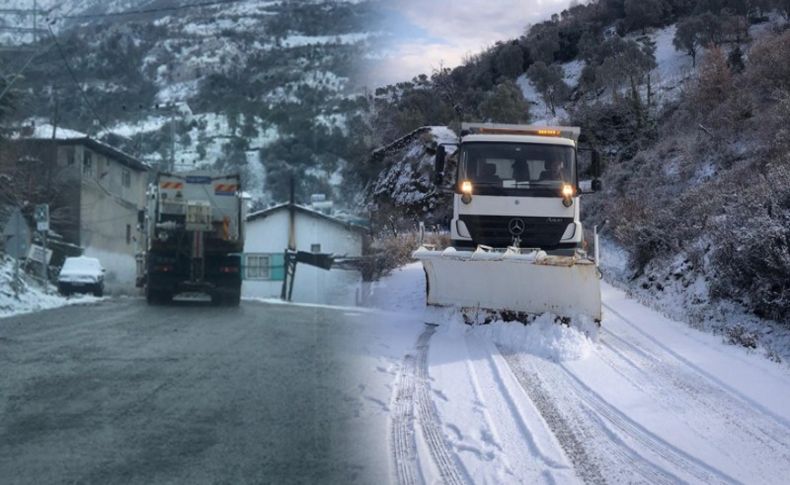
x=157 y=297
x=234 y=298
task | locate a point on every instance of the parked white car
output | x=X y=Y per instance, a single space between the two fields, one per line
x=81 y=275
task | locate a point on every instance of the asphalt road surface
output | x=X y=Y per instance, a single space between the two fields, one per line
x=120 y=392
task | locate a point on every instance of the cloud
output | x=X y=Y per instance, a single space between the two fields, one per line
x=427 y=34
x=410 y=59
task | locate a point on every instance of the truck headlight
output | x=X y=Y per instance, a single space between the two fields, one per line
x=466 y=191
x=567 y=195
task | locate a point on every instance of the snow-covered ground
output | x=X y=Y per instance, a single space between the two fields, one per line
x=30 y=297
x=651 y=400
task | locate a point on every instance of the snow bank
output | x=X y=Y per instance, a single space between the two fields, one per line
x=402 y=291
x=543 y=337
x=31 y=298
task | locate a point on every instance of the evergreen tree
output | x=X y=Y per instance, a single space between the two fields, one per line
x=505 y=104
x=549 y=82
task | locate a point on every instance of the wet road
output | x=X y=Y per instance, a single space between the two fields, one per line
x=120 y=392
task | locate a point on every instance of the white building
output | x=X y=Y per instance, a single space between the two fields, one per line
x=268 y=233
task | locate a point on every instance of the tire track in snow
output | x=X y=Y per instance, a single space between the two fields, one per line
x=402 y=440
x=698 y=389
x=510 y=404
x=412 y=402
x=450 y=468
x=583 y=434
x=702 y=372
x=571 y=444
x=655 y=444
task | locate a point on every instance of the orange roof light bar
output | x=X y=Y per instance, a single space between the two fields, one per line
x=570 y=132
x=502 y=131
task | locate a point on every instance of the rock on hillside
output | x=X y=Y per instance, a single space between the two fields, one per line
x=404 y=192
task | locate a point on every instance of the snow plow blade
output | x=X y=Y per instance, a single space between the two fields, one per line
x=532 y=283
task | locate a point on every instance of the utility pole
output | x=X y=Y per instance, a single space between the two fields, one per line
x=172 y=140
x=56 y=103
x=16 y=235
x=35 y=21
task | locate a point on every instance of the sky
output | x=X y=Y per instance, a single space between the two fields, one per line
x=427 y=34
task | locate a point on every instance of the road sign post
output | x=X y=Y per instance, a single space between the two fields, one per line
x=41 y=216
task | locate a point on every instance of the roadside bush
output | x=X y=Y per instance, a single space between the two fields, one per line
x=752 y=256
x=393 y=251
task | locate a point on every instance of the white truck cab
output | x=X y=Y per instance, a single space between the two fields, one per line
x=517 y=185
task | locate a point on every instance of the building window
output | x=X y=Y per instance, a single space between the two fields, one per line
x=126 y=178
x=87 y=163
x=70 y=157
x=315 y=248
x=128 y=234
x=257 y=267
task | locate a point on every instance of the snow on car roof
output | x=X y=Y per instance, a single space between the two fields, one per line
x=81 y=264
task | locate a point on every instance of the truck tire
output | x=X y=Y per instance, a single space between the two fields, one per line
x=157 y=297
x=226 y=298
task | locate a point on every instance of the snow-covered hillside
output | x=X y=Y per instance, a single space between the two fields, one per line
x=672 y=69
x=210 y=84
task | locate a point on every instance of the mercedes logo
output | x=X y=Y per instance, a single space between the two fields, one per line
x=516 y=226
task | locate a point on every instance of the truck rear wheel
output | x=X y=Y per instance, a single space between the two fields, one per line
x=226 y=298
x=153 y=297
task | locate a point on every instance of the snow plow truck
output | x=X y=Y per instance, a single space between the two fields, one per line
x=193 y=237
x=517 y=240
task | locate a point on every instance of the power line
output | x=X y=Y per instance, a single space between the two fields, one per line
x=19 y=73
x=74 y=79
x=151 y=10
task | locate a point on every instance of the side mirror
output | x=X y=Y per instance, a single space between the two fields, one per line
x=596 y=185
x=438 y=168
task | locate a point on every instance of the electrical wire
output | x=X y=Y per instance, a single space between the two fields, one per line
x=74 y=78
x=24 y=67
x=151 y=10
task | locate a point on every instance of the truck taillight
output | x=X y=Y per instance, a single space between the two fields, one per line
x=163 y=268
x=228 y=269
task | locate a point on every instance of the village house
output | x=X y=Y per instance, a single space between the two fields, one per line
x=94 y=191
x=268 y=234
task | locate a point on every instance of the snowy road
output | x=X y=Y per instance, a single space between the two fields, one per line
x=652 y=401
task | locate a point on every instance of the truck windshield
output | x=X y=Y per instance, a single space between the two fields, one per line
x=499 y=167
